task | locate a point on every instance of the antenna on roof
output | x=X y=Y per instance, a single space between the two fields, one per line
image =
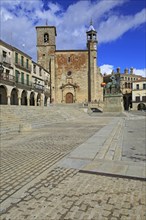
x=46 y=22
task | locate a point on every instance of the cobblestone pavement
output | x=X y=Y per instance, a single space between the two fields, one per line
x=67 y=194
x=32 y=187
x=28 y=155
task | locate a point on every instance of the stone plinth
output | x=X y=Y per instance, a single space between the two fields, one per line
x=113 y=103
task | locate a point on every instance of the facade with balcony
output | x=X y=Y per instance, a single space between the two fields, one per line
x=41 y=81
x=139 y=94
x=18 y=83
x=126 y=81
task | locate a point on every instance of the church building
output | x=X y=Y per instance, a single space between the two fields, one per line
x=75 y=77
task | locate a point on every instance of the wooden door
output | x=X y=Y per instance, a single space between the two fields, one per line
x=69 y=98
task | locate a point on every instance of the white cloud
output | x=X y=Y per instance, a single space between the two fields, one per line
x=74 y=22
x=54 y=7
x=118 y=25
x=140 y=72
x=71 y=24
x=19 y=18
x=6 y=15
x=106 y=69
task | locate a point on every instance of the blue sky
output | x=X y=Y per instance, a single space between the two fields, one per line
x=120 y=25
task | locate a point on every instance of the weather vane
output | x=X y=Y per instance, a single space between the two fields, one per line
x=91 y=22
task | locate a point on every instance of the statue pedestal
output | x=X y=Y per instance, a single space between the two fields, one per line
x=113 y=103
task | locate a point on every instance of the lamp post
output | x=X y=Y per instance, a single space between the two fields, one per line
x=1 y=68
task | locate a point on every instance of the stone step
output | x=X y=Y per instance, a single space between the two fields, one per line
x=36 y=116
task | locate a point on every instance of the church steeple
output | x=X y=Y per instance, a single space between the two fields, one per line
x=91 y=28
x=91 y=36
x=92 y=55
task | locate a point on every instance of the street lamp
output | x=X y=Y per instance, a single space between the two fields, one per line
x=1 y=68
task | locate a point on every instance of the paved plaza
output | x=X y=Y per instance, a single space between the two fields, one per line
x=85 y=169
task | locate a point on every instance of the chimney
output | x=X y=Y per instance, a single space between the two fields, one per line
x=126 y=71
x=118 y=70
x=131 y=70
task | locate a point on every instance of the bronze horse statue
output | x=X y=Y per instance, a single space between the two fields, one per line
x=113 y=86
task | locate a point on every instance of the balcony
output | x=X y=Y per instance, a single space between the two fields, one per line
x=6 y=61
x=11 y=80
x=23 y=85
x=37 y=87
x=23 y=66
x=7 y=79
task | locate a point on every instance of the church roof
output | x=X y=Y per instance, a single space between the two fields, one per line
x=91 y=28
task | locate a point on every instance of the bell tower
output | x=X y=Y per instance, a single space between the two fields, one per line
x=46 y=47
x=46 y=44
x=92 y=64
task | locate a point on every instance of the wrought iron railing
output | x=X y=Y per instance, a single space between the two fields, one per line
x=12 y=80
x=36 y=86
x=23 y=64
x=7 y=77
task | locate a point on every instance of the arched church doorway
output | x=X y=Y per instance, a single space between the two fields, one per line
x=24 y=98
x=3 y=95
x=69 y=97
x=14 y=97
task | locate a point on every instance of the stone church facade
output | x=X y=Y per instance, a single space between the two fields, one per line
x=75 y=77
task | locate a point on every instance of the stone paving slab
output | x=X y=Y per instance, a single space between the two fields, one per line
x=90 y=148
x=116 y=168
x=102 y=154
x=104 y=167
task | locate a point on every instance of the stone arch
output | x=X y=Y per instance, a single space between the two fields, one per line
x=46 y=37
x=45 y=100
x=38 y=99
x=129 y=85
x=69 y=97
x=130 y=101
x=32 y=99
x=24 y=97
x=125 y=102
x=141 y=106
x=14 y=97
x=3 y=95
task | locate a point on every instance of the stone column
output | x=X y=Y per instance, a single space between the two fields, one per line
x=8 y=100
x=28 y=101
x=35 y=102
x=48 y=101
x=42 y=100
x=19 y=100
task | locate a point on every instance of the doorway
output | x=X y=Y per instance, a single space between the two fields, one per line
x=69 y=97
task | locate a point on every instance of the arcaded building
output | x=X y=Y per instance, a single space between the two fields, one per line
x=22 y=81
x=75 y=77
